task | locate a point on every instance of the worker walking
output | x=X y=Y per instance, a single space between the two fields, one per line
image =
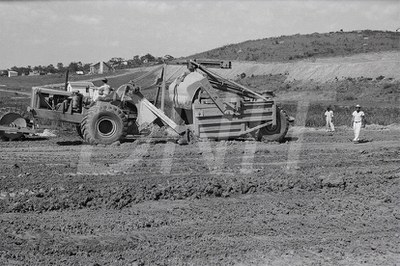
x=358 y=121
x=329 y=119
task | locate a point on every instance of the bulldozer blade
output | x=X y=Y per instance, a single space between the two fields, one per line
x=12 y=120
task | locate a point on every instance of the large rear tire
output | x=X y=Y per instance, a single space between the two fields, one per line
x=104 y=123
x=275 y=133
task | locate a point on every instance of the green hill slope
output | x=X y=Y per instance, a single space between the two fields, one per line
x=316 y=45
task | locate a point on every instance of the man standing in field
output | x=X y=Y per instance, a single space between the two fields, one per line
x=358 y=121
x=329 y=122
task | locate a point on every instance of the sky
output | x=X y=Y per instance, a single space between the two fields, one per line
x=48 y=32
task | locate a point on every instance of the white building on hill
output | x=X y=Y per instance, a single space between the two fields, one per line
x=11 y=73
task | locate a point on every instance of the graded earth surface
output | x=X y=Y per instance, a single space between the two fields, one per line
x=316 y=199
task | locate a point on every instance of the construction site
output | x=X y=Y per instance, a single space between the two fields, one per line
x=224 y=157
x=224 y=175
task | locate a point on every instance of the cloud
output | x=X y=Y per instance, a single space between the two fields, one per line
x=85 y=19
x=72 y=43
x=39 y=41
x=153 y=7
x=27 y=12
x=376 y=12
x=114 y=43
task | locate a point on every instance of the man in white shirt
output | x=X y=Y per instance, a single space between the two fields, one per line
x=358 y=121
x=103 y=91
x=329 y=116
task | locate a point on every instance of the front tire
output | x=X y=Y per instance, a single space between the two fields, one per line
x=104 y=123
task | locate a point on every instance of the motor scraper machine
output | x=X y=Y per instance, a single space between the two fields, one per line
x=205 y=104
x=218 y=108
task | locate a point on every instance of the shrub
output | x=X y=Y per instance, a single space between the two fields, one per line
x=349 y=98
x=387 y=85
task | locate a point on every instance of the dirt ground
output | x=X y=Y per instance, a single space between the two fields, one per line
x=317 y=199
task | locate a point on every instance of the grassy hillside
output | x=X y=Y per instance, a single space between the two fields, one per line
x=316 y=45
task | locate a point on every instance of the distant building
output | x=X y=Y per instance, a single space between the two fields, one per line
x=12 y=73
x=34 y=73
x=100 y=68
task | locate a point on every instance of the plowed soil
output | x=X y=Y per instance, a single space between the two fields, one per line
x=317 y=199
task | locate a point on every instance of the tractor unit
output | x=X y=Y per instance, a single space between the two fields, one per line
x=205 y=106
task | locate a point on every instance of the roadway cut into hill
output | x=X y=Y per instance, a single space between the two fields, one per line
x=369 y=65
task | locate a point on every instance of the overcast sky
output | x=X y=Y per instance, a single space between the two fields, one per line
x=48 y=32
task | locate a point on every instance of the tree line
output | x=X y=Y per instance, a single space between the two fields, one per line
x=73 y=67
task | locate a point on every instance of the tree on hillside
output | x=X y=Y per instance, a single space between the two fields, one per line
x=148 y=58
x=160 y=60
x=16 y=69
x=51 y=69
x=60 y=67
x=73 y=67
x=39 y=69
x=116 y=61
x=80 y=66
x=136 y=61
x=86 y=68
x=168 y=57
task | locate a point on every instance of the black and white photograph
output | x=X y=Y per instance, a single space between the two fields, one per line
x=190 y=132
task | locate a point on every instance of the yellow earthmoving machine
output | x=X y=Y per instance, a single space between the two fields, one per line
x=205 y=105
